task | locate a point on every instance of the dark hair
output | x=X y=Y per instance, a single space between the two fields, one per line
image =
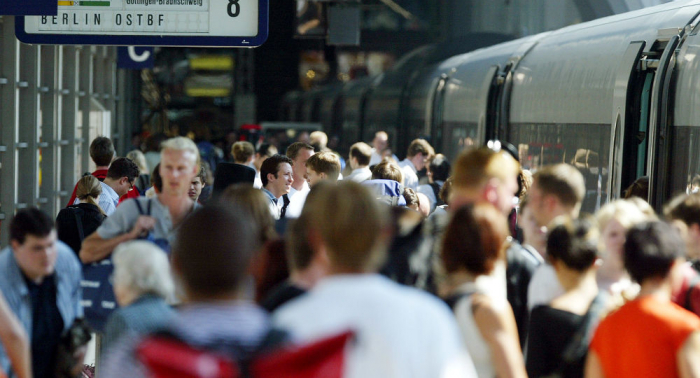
x=574 y=242
x=271 y=165
x=387 y=170
x=485 y=228
x=102 y=151
x=650 y=250
x=411 y=197
x=439 y=167
x=213 y=248
x=30 y=221
x=156 y=180
x=685 y=207
x=294 y=148
x=639 y=188
x=123 y=167
x=266 y=149
x=202 y=174
x=444 y=193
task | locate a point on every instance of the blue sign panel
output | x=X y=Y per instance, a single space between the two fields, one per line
x=28 y=7
x=134 y=58
x=212 y=23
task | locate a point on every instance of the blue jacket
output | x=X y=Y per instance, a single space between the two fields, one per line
x=68 y=275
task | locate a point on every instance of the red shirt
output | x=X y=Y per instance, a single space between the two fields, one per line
x=101 y=174
x=642 y=338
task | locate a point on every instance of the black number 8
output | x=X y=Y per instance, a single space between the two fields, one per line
x=233 y=4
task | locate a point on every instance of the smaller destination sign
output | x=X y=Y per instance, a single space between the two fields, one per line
x=235 y=23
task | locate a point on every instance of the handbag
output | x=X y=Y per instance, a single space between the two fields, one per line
x=77 y=336
x=98 y=295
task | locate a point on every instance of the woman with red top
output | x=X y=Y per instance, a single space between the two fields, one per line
x=649 y=336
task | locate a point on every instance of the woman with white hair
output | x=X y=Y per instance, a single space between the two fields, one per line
x=614 y=219
x=142 y=286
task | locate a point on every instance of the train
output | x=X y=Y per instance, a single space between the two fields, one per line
x=617 y=97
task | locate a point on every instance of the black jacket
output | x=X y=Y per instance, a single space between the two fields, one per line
x=67 y=226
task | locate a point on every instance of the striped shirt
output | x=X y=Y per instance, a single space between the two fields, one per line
x=199 y=325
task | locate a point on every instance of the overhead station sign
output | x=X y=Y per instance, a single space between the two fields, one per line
x=216 y=23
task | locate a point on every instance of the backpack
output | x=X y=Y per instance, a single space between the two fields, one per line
x=387 y=191
x=165 y=355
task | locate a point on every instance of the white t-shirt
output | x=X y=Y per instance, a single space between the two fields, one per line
x=544 y=286
x=401 y=332
x=410 y=178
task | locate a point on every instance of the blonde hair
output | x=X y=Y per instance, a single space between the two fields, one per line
x=474 y=168
x=181 y=144
x=89 y=189
x=625 y=212
x=242 y=151
x=137 y=157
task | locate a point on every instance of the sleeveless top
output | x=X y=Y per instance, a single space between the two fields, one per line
x=476 y=345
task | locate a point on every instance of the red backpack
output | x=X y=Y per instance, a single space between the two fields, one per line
x=167 y=357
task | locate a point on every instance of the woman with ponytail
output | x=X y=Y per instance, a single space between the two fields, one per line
x=76 y=222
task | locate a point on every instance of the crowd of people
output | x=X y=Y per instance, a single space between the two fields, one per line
x=313 y=264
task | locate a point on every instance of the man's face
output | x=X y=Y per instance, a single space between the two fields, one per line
x=177 y=168
x=506 y=194
x=379 y=143
x=536 y=203
x=36 y=257
x=420 y=160
x=314 y=177
x=300 y=163
x=124 y=186
x=195 y=188
x=281 y=184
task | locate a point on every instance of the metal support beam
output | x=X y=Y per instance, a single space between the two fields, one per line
x=8 y=122
x=86 y=90
x=68 y=120
x=28 y=127
x=48 y=143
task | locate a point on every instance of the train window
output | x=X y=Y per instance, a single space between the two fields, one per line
x=585 y=146
x=458 y=136
x=685 y=160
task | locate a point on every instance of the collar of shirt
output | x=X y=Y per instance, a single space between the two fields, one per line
x=409 y=163
x=270 y=196
x=110 y=192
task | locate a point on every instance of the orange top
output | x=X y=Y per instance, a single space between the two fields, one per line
x=642 y=338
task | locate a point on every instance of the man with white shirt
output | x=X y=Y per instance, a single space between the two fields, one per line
x=556 y=190
x=299 y=152
x=360 y=154
x=419 y=151
x=400 y=331
x=277 y=178
x=379 y=143
x=120 y=179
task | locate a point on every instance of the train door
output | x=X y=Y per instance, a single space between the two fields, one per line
x=435 y=124
x=640 y=143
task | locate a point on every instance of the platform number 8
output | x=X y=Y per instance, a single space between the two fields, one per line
x=233 y=9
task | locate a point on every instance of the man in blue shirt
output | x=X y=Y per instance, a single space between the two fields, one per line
x=40 y=278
